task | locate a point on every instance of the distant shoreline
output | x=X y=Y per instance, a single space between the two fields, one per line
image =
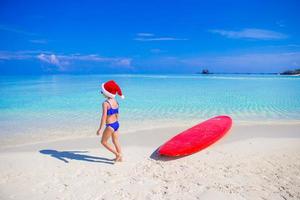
x=237 y=73
x=154 y=74
x=244 y=73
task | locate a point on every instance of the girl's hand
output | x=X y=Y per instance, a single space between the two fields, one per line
x=98 y=131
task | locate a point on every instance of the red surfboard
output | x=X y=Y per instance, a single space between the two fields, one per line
x=196 y=138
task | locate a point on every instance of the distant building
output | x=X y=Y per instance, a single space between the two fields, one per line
x=204 y=71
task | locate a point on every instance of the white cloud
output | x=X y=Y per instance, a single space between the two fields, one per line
x=160 y=39
x=145 y=34
x=39 y=41
x=90 y=57
x=152 y=37
x=19 y=55
x=97 y=58
x=125 y=62
x=51 y=59
x=63 y=61
x=251 y=33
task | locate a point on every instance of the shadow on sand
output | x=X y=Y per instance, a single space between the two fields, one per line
x=75 y=155
x=155 y=156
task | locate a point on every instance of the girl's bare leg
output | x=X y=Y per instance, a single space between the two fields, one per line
x=105 y=136
x=115 y=140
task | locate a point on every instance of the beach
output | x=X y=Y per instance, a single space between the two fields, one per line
x=251 y=162
x=199 y=100
x=49 y=148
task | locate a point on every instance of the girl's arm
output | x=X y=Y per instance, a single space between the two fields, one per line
x=103 y=118
x=117 y=115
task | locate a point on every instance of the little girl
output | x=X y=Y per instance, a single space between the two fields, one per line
x=110 y=114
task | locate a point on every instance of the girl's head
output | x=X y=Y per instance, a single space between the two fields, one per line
x=110 y=88
x=104 y=94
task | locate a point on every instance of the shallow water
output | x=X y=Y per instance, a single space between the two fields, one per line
x=71 y=104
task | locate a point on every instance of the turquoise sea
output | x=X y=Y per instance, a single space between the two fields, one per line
x=70 y=105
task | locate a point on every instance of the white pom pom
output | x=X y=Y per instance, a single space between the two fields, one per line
x=122 y=97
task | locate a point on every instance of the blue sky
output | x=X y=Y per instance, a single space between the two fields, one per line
x=49 y=37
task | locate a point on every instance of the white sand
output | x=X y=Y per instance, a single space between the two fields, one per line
x=252 y=162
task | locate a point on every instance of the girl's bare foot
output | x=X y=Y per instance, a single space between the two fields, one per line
x=118 y=158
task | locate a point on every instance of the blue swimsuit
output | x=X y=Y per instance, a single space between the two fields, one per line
x=111 y=111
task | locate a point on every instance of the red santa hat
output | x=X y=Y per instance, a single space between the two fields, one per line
x=111 y=88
